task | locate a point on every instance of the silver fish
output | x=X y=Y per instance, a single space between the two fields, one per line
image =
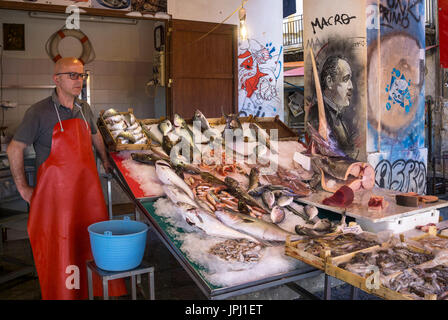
x=109 y=113
x=232 y=120
x=258 y=191
x=209 y=224
x=138 y=136
x=127 y=135
x=254 y=177
x=168 y=144
x=130 y=119
x=165 y=126
x=183 y=133
x=132 y=127
x=114 y=119
x=284 y=200
x=141 y=141
x=300 y=213
x=167 y=176
x=268 y=198
x=178 y=121
x=198 y=116
x=309 y=232
x=117 y=126
x=138 y=130
x=147 y=158
x=277 y=214
x=312 y=212
x=323 y=225
x=176 y=195
x=257 y=228
x=122 y=140
x=238 y=192
x=153 y=133
x=115 y=133
x=205 y=206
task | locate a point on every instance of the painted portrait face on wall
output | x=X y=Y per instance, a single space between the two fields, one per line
x=336 y=80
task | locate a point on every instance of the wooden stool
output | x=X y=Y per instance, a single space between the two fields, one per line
x=112 y=275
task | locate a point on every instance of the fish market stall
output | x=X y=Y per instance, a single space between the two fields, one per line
x=223 y=261
x=209 y=278
x=241 y=214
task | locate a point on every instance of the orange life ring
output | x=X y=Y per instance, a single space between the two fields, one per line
x=78 y=34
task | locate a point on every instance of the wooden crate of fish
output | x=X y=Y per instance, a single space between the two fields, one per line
x=122 y=130
x=293 y=249
x=316 y=250
x=156 y=129
x=429 y=241
x=358 y=268
x=428 y=281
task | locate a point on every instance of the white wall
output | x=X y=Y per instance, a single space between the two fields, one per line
x=299 y=6
x=123 y=64
x=204 y=10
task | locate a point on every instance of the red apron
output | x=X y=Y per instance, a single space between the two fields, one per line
x=67 y=199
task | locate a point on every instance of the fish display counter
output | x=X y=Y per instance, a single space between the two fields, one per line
x=228 y=199
x=216 y=279
x=224 y=259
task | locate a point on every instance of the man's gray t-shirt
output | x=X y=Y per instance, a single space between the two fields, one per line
x=39 y=120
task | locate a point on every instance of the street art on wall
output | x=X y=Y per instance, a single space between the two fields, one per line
x=259 y=70
x=395 y=93
x=338 y=39
x=395 y=73
x=382 y=44
x=404 y=171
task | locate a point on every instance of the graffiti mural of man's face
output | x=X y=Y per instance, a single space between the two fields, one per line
x=340 y=87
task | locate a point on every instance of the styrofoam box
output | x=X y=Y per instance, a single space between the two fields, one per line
x=401 y=224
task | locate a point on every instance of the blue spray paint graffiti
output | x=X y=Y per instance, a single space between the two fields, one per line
x=399 y=91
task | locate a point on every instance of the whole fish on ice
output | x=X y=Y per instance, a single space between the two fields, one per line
x=168 y=176
x=255 y=227
x=176 y=195
x=209 y=224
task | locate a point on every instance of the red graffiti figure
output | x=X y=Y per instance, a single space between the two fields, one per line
x=257 y=76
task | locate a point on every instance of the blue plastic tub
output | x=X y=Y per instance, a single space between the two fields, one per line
x=118 y=245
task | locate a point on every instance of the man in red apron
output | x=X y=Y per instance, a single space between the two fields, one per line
x=68 y=195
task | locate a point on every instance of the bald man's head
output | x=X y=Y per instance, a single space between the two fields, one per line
x=65 y=64
x=63 y=71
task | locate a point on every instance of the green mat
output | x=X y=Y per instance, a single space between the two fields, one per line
x=165 y=225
